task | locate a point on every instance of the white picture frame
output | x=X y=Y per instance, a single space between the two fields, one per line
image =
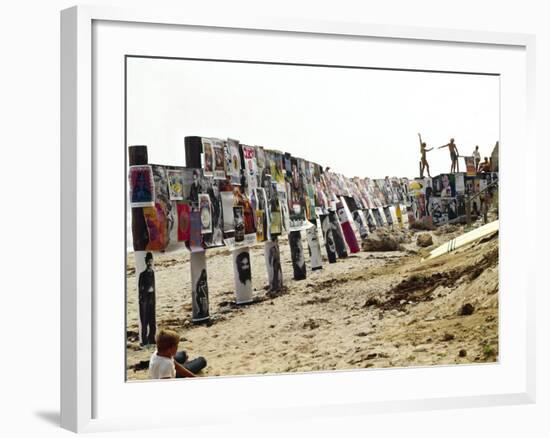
x=86 y=404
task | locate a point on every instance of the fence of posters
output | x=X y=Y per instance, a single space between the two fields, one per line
x=236 y=195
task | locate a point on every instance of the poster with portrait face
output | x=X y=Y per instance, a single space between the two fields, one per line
x=238 y=223
x=184 y=222
x=208 y=157
x=297 y=255
x=447 y=185
x=175 y=184
x=219 y=159
x=251 y=169
x=142 y=186
x=243 y=275
x=205 y=210
x=192 y=185
x=233 y=161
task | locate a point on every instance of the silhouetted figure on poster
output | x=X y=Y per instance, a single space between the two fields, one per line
x=201 y=294
x=423 y=160
x=146 y=288
x=453 y=150
x=275 y=266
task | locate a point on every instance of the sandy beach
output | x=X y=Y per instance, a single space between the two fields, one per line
x=370 y=310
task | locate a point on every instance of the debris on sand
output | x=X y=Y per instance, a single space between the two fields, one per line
x=382 y=240
x=467 y=309
x=424 y=240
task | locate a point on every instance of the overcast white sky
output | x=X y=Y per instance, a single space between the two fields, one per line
x=359 y=122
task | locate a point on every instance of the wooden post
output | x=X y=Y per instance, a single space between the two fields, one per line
x=143 y=259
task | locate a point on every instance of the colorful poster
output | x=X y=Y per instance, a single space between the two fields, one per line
x=470 y=166
x=184 y=223
x=249 y=219
x=195 y=235
x=142 y=188
x=175 y=184
x=219 y=159
x=251 y=169
x=447 y=185
x=205 y=213
x=156 y=227
x=208 y=156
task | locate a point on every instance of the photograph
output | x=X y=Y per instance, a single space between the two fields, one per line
x=228 y=224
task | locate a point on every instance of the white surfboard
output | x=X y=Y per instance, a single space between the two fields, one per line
x=465 y=239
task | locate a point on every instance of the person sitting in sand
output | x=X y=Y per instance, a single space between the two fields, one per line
x=485 y=166
x=167 y=363
x=423 y=161
x=454 y=154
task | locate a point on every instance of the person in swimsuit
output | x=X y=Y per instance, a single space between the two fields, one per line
x=423 y=161
x=454 y=154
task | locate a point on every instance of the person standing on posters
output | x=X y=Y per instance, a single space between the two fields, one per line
x=454 y=154
x=146 y=287
x=477 y=157
x=423 y=160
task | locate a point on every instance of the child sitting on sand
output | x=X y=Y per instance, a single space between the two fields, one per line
x=166 y=362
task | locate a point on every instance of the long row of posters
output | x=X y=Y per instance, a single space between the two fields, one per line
x=245 y=194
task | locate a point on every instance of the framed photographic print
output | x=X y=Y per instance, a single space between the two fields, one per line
x=316 y=217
